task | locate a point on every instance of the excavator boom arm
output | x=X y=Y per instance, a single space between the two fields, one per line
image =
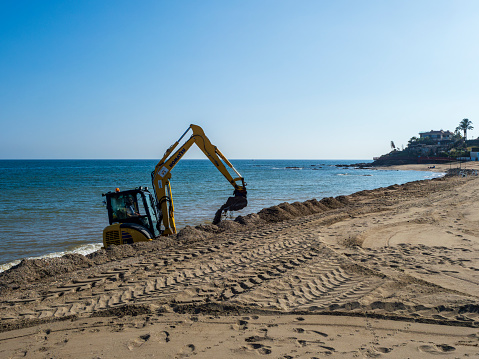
x=162 y=174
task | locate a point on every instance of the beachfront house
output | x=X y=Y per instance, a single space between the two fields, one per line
x=442 y=137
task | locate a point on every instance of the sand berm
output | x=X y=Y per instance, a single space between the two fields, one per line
x=391 y=272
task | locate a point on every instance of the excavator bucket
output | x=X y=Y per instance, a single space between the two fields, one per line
x=232 y=204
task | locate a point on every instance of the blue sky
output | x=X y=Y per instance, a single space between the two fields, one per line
x=265 y=79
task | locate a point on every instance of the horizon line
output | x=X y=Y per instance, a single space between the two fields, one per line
x=195 y=159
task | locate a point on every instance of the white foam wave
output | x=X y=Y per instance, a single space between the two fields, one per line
x=432 y=175
x=83 y=249
x=6 y=266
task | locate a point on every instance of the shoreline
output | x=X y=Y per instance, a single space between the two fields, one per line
x=391 y=268
x=470 y=165
x=87 y=248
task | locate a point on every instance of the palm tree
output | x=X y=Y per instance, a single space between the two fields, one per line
x=465 y=125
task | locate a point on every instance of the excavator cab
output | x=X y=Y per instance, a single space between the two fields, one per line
x=132 y=216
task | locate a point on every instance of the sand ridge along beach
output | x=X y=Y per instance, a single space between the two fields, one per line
x=389 y=273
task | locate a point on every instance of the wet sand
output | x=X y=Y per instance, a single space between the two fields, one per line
x=435 y=167
x=391 y=272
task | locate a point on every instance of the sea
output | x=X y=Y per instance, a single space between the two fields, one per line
x=52 y=207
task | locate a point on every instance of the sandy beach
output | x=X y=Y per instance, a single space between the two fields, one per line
x=444 y=167
x=385 y=273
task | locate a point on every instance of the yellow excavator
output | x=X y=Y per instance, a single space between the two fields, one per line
x=138 y=215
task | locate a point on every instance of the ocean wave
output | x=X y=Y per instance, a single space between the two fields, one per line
x=83 y=249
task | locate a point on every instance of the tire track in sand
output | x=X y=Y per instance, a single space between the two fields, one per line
x=282 y=267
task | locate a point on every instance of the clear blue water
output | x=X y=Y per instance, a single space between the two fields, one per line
x=50 y=207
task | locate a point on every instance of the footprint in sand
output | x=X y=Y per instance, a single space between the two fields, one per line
x=163 y=336
x=254 y=345
x=135 y=343
x=375 y=352
x=264 y=351
x=187 y=351
x=301 y=343
x=254 y=338
x=240 y=325
x=19 y=354
x=383 y=350
x=260 y=348
x=437 y=348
